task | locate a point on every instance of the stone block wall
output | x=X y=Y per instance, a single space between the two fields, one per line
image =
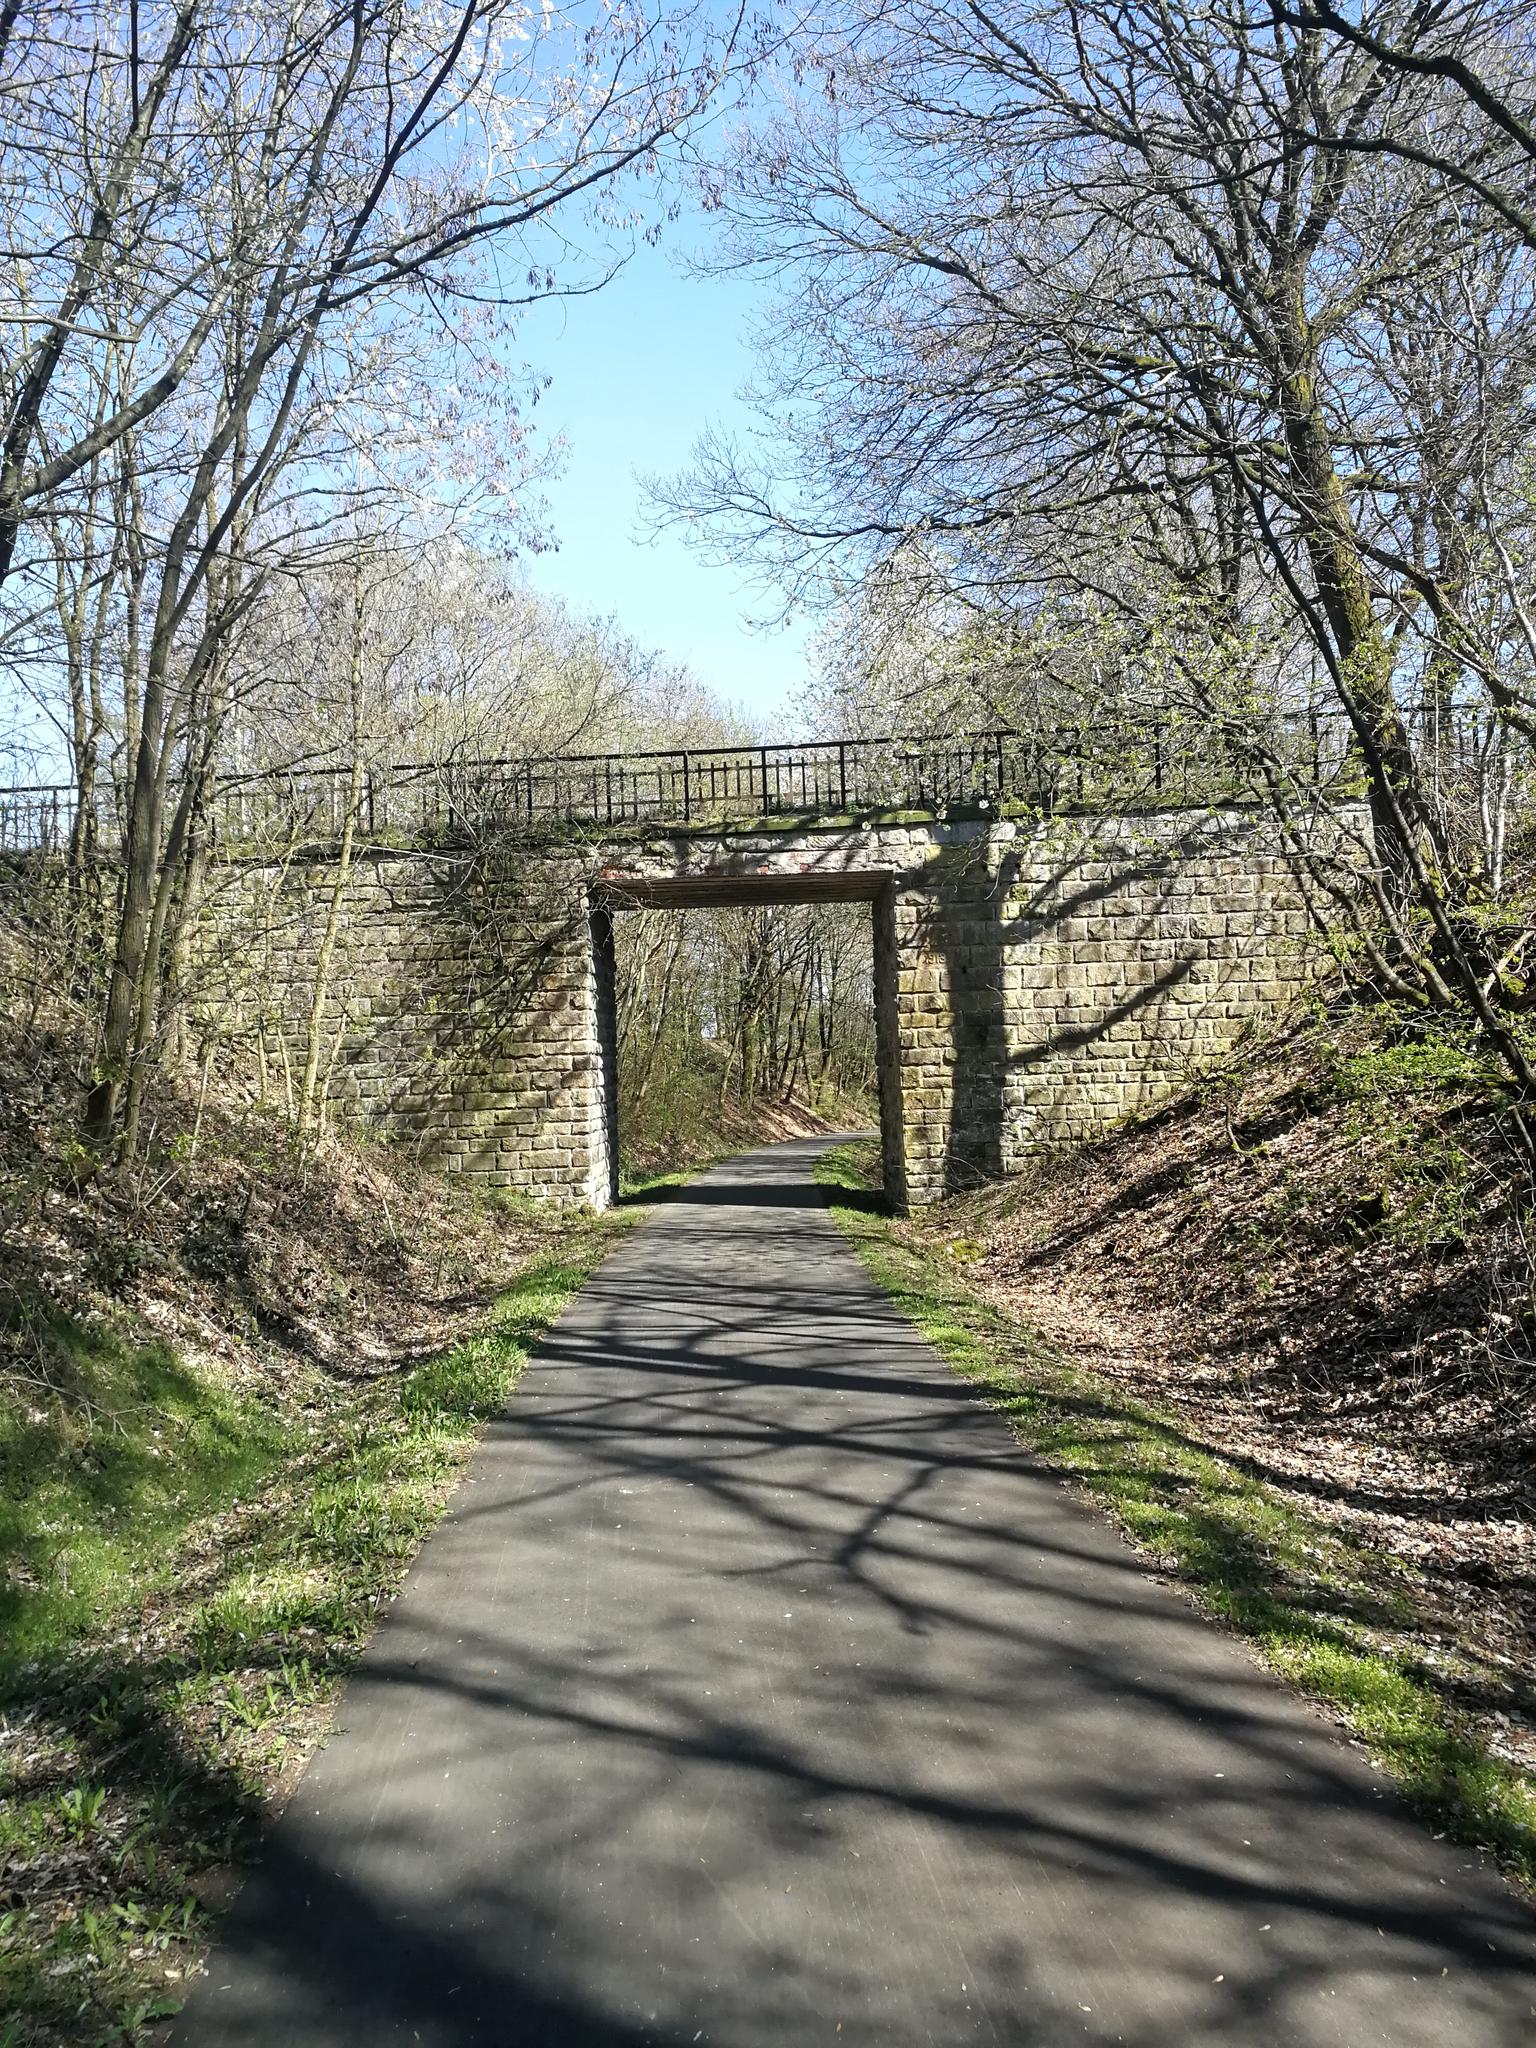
x=1033 y=983
x=461 y=1012
x=1056 y=979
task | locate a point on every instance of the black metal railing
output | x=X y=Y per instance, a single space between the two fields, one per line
x=1120 y=762
x=37 y=819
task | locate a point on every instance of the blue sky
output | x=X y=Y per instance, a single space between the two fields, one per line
x=639 y=369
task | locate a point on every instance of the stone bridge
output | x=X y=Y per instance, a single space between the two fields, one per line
x=1034 y=982
x=1065 y=926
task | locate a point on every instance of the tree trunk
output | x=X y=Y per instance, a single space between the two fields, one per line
x=1344 y=593
x=314 y=1029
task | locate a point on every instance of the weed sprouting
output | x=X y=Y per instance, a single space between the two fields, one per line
x=80 y=1809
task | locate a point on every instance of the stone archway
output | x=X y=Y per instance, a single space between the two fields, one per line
x=872 y=886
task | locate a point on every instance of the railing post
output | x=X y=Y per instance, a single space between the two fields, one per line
x=687 y=802
x=842 y=775
x=763 y=757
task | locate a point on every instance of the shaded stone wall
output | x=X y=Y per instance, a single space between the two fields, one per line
x=462 y=1011
x=1033 y=983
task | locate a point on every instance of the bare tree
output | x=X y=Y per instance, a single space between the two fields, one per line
x=254 y=236
x=1107 y=309
x=723 y=1011
x=386 y=143
x=1482 y=58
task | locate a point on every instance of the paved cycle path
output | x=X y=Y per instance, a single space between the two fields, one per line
x=759 y=1690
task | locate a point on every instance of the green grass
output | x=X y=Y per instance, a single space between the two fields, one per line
x=190 y=1575
x=635 y=1182
x=1321 y=1610
x=98 y=1476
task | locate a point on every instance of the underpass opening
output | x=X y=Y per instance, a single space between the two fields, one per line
x=639 y=969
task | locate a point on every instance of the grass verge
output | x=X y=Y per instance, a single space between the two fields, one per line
x=191 y=1573
x=638 y=1185
x=1321 y=1610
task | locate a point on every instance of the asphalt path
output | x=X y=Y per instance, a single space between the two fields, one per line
x=758 y=1689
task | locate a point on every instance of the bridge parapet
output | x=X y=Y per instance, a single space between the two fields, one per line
x=1117 y=763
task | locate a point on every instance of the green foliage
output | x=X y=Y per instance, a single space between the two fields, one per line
x=1313 y=1602
x=80 y=1808
x=1398 y=1063
x=190 y=1574
x=635 y=1185
x=104 y=1457
x=678 y=1122
x=1406 y=1085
